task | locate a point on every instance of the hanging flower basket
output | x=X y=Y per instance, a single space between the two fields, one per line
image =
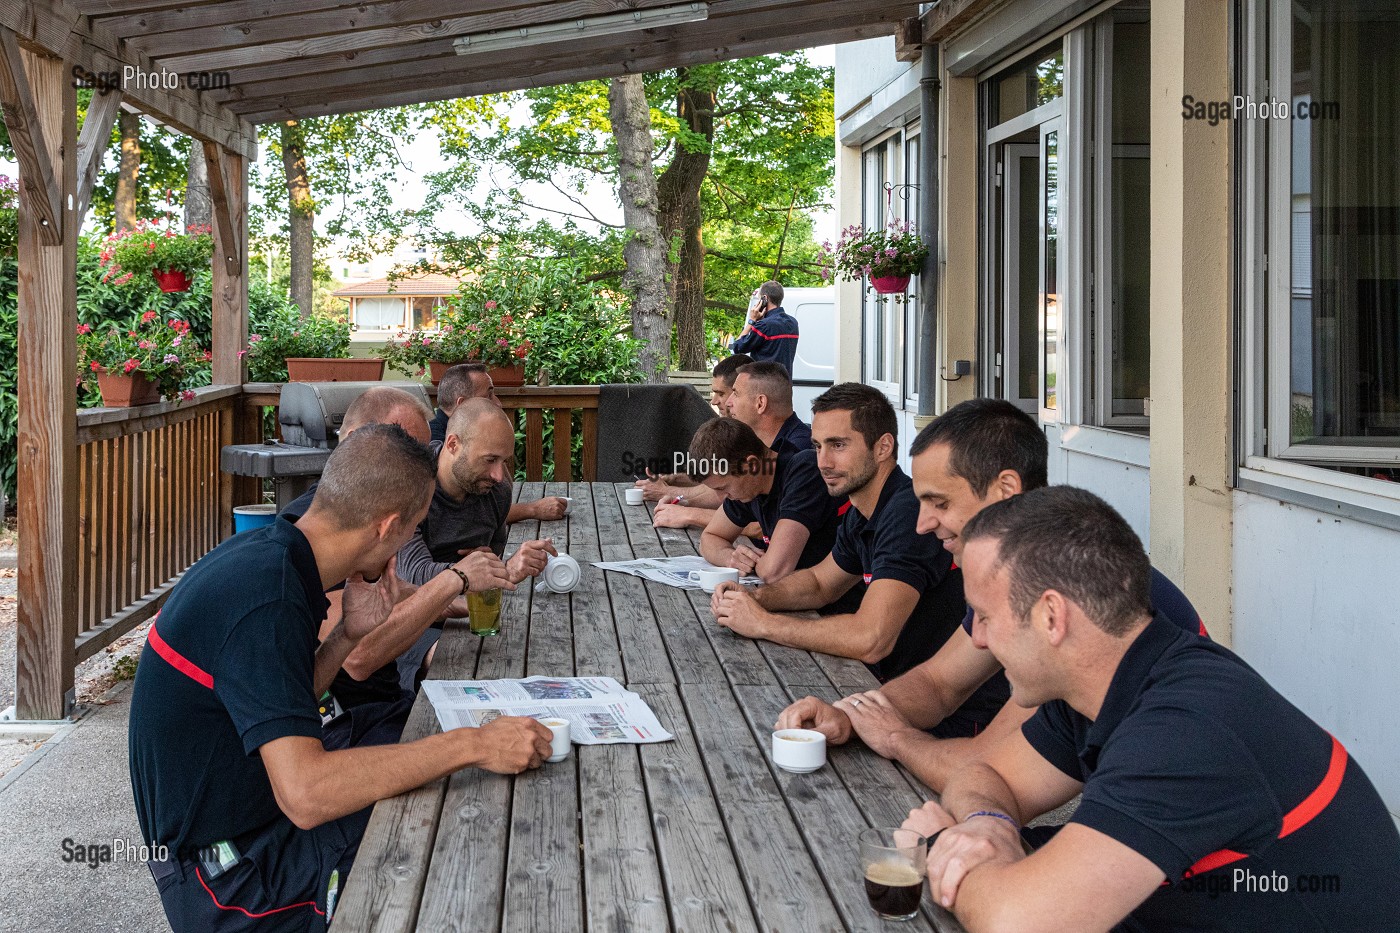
x=120 y=390
x=890 y=284
x=171 y=280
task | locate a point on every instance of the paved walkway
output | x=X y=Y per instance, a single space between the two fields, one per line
x=77 y=788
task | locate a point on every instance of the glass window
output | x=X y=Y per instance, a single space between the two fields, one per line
x=1036 y=80
x=1344 y=212
x=884 y=331
x=1050 y=264
x=913 y=309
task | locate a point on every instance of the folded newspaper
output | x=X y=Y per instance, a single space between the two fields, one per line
x=600 y=710
x=672 y=571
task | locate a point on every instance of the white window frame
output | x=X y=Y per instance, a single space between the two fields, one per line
x=870 y=303
x=1268 y=463
x=1100 y=295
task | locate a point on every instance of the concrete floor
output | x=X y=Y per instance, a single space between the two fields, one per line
x=75 y=788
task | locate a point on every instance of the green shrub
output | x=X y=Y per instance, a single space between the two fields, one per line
x=278 y=332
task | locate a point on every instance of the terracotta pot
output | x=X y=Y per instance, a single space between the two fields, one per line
x=171 y=280
x=328 y=369
x=436 y=370
x=508 y=375
x=890 y=284
x=120 y=390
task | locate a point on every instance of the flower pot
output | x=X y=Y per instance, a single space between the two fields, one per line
x=508 y=375
x=890 y=284
x=120 y=390
x=436 y=369
x=319 y=369
x=171 y=280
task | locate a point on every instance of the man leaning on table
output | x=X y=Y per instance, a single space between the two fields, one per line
x=978 y=452
x=260 y=821
x=913 y=598
x=1209 y=801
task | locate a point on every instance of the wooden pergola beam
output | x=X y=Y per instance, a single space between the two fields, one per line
x=92 y=144
x=359 y=26
x=54 y=27
x=178 y=14
x=47 y=469
x=27 y=136
x=446 y=75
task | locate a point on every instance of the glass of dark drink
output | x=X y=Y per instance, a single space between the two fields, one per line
x=894 y=862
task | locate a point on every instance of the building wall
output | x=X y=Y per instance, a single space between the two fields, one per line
x=862 y=68
x=1315 y=614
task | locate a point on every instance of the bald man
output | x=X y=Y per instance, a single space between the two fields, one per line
x=366 y=704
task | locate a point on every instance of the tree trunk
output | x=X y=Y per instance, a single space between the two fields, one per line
x=681 y=217
x=645 y=252
x=301 y=216
x=199 y=207
x=124 y=202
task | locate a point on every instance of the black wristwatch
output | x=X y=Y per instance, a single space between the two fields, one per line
x=464 y=579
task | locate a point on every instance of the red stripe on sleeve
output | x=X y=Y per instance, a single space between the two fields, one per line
x=178 y=661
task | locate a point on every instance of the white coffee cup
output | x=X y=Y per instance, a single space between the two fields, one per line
x=799 y=750
x=561 y=574
x=634 y=496
x=568 y=503
x=559 y=742
x=711 y=577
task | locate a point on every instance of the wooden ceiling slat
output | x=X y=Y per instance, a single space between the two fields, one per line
x=321 y=71
x=222 y=59
x=775 y=30
x=555 y=75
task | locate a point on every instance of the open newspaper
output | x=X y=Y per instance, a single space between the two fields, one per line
x=600 y=710
x=672 y=571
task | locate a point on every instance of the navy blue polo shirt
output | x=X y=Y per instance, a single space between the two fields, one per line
x=227 y=668
x=794 y=436
x=772 y=337
x=886 y=546
x=438 y=427
x=799 y=493
x=1193 y=754
x=379 y=687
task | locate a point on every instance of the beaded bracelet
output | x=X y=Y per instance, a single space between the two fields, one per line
x=1000 y=816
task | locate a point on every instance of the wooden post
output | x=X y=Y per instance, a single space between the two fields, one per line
x=228 y=192
x=47 y=462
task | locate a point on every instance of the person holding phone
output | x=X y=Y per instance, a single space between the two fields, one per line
x=770 y=333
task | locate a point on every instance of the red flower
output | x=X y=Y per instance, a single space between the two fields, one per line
x=209 y=357
x=129 y=365
x=94 y=366
x=520 y=352
x=84 y=329
x=490 y=306
x=148 y=317
x=131 y=333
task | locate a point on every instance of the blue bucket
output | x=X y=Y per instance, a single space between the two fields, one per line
x=248 y=517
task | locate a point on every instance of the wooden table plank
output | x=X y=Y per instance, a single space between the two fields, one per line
x=621 y=874
x=543 y=874
x=831 y=820
x=550 y=644
x=703 y=888
x=785 y=887
x=596 y=648
x=389 y=876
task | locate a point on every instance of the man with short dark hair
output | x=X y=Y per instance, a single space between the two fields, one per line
x=783 y=492
x=722 y=379
x=459 y=383
x=228 y=770
x=770 y=333
x=762 y=399
x=913 y=597
x=1209 y=802
x=977 y=453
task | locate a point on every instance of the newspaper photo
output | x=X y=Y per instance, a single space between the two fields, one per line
x=600 y=710
x=672 y=571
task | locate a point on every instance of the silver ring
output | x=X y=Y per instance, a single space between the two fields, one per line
x=855 y=702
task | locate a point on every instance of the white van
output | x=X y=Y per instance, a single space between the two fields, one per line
x=814 y=368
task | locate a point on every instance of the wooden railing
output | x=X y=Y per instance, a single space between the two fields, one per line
x=569 y=411
x=151 y=501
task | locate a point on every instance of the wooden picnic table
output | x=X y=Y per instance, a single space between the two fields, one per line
x=700 y=833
